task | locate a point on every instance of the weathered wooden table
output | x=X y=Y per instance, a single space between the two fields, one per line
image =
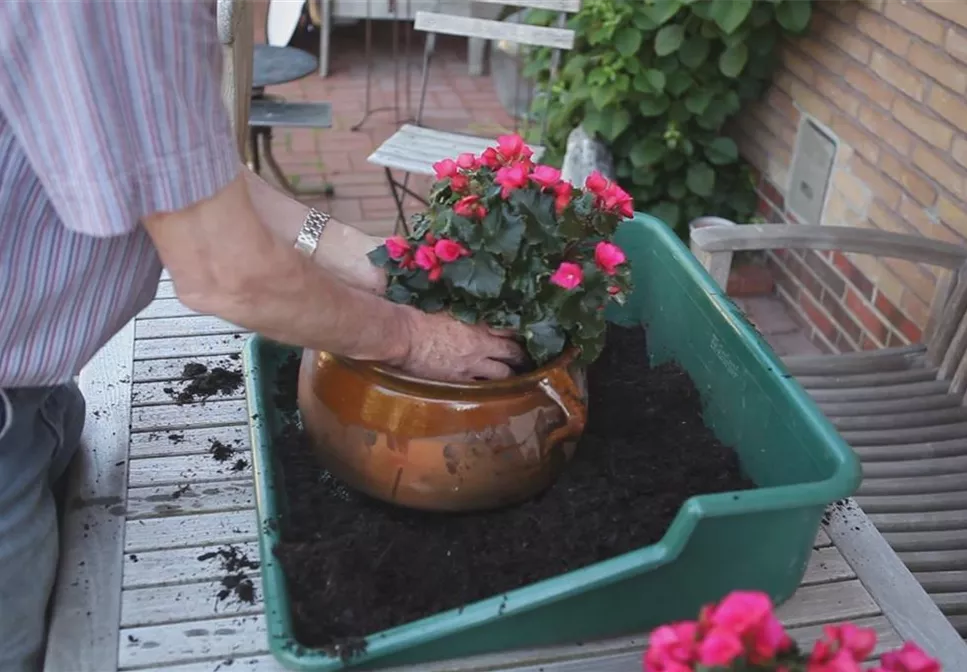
x=148 y=500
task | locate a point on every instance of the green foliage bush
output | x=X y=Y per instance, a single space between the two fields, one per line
x=658 y=80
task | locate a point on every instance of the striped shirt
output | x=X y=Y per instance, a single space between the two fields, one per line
x=110 y=111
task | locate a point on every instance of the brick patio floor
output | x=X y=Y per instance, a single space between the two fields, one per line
x=455 y=101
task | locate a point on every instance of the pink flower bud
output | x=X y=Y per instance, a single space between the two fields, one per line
x=467 y=161
x=470 y=207
x=511 y=177
x=425 y=258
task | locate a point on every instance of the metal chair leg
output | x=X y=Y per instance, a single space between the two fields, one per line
x=279 y=174
x=398 y=197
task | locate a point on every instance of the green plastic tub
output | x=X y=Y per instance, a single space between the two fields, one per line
x=759 y=539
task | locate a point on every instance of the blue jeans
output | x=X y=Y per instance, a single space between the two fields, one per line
x=40 y=430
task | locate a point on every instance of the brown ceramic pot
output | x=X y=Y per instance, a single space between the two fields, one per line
x=442 y=446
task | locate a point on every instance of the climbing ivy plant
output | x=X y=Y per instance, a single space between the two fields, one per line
x=659 y=80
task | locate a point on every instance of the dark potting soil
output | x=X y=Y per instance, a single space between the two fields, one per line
x=204 y=383
x=356 y=566
x=236 y=581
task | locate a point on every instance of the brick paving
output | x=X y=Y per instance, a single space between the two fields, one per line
x=455 y=101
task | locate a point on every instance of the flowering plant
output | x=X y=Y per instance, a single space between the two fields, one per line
x=509 y=243
x=742 y=634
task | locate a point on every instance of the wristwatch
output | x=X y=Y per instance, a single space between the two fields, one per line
x=308 y=239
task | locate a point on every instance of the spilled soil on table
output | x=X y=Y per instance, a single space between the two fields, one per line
x=356 y=566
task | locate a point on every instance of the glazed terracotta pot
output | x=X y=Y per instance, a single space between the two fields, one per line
x=442 y=446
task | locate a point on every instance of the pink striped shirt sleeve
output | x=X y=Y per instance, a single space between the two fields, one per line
x=117 y=106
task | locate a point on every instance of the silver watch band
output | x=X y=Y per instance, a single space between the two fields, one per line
x=313 y=226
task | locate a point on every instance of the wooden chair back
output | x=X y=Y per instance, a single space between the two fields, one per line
x=557 y=38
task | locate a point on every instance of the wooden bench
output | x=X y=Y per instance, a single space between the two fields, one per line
x=900 y=408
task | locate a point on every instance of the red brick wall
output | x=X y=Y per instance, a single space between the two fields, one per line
x=888 y=78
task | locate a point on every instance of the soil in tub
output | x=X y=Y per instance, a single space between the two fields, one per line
x=355 y=566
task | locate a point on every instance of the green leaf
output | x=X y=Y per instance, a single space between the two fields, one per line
x=677 y=189
x=667 y=212
x=729 y=14
x=627 y=41
x=660 y=11
x=656 y=78
x=679 y=82
x=480 y=275
x=592 y=121
x=379 y=257
x=793 y=15
x=464 y=313
x=694 y=51
x=733 y=60
x=505 y=229
x=697 y=101
x=545 y=340
x=644 y=22
x=620 y=120
x=647 y=151
x=399 y=294
x=722 y=151
x=668 y=39
x=654 y=106
x=700 y=179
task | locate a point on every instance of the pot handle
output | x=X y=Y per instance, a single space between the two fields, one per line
x=560 y=388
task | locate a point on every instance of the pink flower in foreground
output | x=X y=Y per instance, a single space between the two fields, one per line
x=467 y=161
x=910 y=658
x=546 y=176
x=617 y=200
x=562 y=196
x=567 y=276
x=449 y=250
x=612 y=290
x=445 y=168
x=397 y=247
x=841 y=661
x=719 y=648
x=510 y=178
x=608 y=257
x=470 y=207
x=859 y=642
x=672 y=648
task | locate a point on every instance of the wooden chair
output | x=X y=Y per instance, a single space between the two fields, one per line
x=414 y=148
x=900 y=408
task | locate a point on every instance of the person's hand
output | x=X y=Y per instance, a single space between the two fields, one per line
x=443 y=348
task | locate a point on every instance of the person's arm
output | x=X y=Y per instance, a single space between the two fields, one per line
x=121 y=118
x=342 y=248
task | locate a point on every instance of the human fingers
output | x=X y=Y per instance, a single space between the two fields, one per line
x=490 y=369
x=503 y=349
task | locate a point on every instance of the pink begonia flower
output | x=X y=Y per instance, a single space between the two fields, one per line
x=859 y=642
x=719 y=648
x=616 y=199
x=909 y=658
x=546 y=176
x=490 y=158
x=470 y=207
x=459 y=183
x=741 y=610
x=767 y=640
x=426 y=259
x=562 y=196
x=512 y=148
x=445 y=168
x=567 y=276
x=841 y=661
x=510 y=178
x=448 y=251
x=397 y=247
x=612 y=290
x=596 y=183
x=672 y=648
x=608 y=257
x=468 y=161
